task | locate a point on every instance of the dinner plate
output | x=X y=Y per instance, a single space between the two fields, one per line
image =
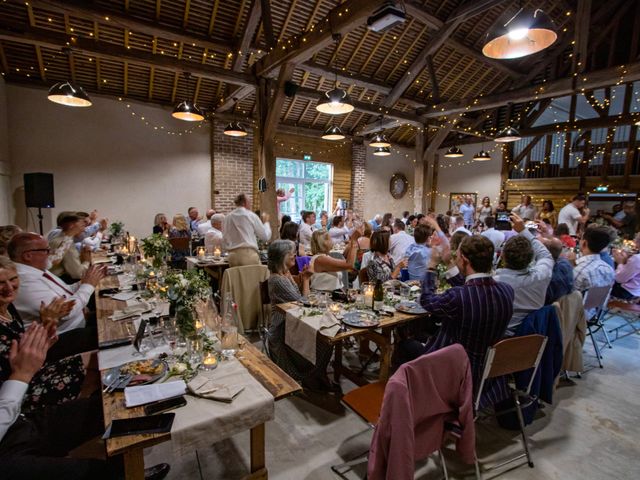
x=139 y=378
x=360 y=319
x=410 y=307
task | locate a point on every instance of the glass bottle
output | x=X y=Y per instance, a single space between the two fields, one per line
x=378 y=296
x=229 y=331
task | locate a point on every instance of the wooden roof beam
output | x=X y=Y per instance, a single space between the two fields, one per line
x=89 y=11
x=267 y=24
x=243 y=45
x=557 y=88
x=341 y=20
x=85 y=46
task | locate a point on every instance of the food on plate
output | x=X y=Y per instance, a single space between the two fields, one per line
x=143 y=367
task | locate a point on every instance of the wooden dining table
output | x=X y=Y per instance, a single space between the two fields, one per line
x=268 y=374
x=383 y=338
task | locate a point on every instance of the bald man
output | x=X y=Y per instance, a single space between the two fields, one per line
x=30 y=253
x=562 y=277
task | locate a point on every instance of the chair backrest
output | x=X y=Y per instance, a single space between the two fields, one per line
x=512 y=355
x=596 y=297
x=363 y=276
x=180 y=243
x=264 y=292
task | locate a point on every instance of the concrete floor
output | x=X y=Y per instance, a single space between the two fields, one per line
x=591 y=432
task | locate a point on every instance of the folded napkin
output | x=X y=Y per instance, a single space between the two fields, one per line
x=142 y=394
x=130 y=311
x=301 y=330
x=201 y=386
x=124 y=296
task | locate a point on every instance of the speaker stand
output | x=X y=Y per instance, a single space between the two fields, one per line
x=40 y=217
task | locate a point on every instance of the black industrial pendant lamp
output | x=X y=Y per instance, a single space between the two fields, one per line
x=482 y=156
x=336 y=101
x=235 y=129
x=527 y=32
x=454 y=152
x=68 y=94
x=333 y=133
x=187 y=110
x=379 y=140
x=509 y=134
x=382 y=152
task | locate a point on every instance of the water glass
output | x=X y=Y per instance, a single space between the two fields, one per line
x=352 y=294
x=313 y=299
x=195 y=348
x=389 y=292
x=323 y=300
x=405 y=292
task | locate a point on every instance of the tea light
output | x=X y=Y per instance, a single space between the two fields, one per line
x=209 y=362
x=152 y=274
x=199 y=325
x=201 y=252
x=334 y=308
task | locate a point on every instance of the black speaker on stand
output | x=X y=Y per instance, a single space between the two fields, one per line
x=38 y=192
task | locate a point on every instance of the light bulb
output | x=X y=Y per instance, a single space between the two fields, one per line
x=518 y=33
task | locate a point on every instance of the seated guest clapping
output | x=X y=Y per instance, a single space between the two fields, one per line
x=474 y=313
x=74 y=263
x=529 y=281
x=56 y=382
x=627 y=276
x=283 y=288
x=326 y=269
x=36 y=446
x=91 y=236
x=382 y=267
x=29 y=251
x=419 y=254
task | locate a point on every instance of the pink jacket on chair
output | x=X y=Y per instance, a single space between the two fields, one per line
x=418 y=399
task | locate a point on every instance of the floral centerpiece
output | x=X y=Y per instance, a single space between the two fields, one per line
x=156 y=247
x=116 y=228
x=184 y=290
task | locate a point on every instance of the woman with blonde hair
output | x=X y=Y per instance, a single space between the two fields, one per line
x=160 y=224
x=326 y=269
x=180 y=229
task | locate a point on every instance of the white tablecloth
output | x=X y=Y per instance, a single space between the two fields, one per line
x=301 y=331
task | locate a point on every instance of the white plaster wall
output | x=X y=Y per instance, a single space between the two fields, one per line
x=379 y=171
x=106 y=158
x=5 y=170
x=464 y=175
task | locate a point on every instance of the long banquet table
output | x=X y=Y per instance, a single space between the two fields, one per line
x=270 y=376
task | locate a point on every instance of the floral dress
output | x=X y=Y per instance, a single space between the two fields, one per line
x=53 y=384
x=380 y=268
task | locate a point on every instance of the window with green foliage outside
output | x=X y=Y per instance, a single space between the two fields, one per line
x=311 y=181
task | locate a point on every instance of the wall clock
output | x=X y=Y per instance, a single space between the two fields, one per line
x=398 y=185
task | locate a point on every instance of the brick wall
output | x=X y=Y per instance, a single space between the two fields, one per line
x=358 y=158
x=232 y=167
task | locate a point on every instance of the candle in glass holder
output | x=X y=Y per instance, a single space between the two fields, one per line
x=209 y=362
x=132 y=244
x=124 y=251
x=201 y=253
x=334 y=308
x=199 y=325
x=216 y=253
x=368 y=295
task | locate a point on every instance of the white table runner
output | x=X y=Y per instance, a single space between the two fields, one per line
x=301 y=330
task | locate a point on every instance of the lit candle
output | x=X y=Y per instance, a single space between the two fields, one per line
x=201 y=252
x=334 y=308
x=125 y=251
x=199 y=325
x=152 y=273
x=368 y=296
x=132 y=244
x=209 y=362
x=216 y=252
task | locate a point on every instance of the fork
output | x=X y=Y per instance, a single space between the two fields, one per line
x=123 y=380
x=107 y=389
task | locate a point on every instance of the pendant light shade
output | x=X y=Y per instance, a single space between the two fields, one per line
x=482 y=156
x=379 y=141
x=382 y=152
x=509 y=134
x=454 y=152
x=333 y=133
x=235 y=129
x=66 y=93
x=527 y=32
x=187 y=111
x=335 y=102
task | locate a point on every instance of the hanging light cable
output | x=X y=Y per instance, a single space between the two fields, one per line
x=235 y=129
x=336 y=101
x=482 y=155
x=333 y=133
x=187 y=110
x=454 y=152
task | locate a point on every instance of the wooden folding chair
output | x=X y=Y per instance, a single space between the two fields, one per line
x=507 y=357
x=597 y=298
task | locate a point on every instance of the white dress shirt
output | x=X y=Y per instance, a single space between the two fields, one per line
x=462 y=229
x=525 y=212
x=398 y=244
x=71 y=263
x=304 y=233
x=212 y=239
x=495 y=236
x=241 y=227
x=339 y=235
x=11 y=395
x=36 y=288
x=204 y=227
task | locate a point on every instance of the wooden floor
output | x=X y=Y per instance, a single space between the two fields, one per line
x=592 y=432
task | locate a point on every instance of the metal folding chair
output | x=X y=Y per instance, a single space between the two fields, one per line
x=629 y=312
x=597 y=298
x=507 y=357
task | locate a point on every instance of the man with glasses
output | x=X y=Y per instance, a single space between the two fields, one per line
x=30 y=253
